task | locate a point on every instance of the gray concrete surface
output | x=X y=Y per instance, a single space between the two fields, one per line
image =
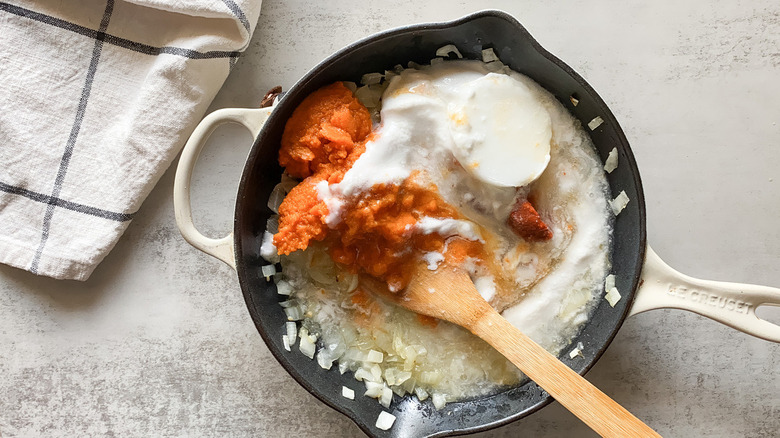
x=159 y=343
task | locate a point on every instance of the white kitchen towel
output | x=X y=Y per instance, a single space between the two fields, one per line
x=96 y=99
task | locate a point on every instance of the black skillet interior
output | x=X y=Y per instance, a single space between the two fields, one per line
x=418 y=43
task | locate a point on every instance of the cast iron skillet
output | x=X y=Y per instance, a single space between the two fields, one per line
x=418 y=43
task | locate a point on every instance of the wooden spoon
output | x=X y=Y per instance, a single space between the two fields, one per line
x=449 y=294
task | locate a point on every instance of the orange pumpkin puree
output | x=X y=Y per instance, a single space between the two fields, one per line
x=322 y=139
x=376 y=235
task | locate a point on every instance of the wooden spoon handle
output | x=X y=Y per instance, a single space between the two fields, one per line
x=588 y=403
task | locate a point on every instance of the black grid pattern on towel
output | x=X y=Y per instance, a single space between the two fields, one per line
x=73 y=206
x=74 y=133
x=237 y=12
x=123 y=42
x=101 y=37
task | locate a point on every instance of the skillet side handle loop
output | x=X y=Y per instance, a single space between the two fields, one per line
x=733 y=304
x=253 y=120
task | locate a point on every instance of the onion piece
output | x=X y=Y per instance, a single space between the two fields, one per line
x=438 y=400
x=612 y=297
x=445 y=51
x=268 y=249
x=612 y=161
x=351 y=86
x=283 y=288
x=286 y=342
x=595 y=123
x=369 y=95
x=609 y=282
x=376 y=372
x=293 y=313
x=272 y=224
x=402 y=377
x=495 y=66
x=421 y=393
x=324 y=360
x=292 y=331
x=307 y=346
x=371 y=78
x=363 y=374
x=385 y=420
x=374 y=356
x=574 y=100
x=268 y=271
x=276 y=197
x=387 y=397
x=488 y=55
x=373 y=389
x=577 y=351
x=619 y=203
x=347 y=393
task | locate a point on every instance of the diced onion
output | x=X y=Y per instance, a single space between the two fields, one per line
x=369 y=95
x=373 y=389
x=272 y=224
x=292 y=331
x=376 y=372
x=283 y=288
x=324 y=360
x=286 y=342
x=385 y=420
x=371 y=78
x=268 y=271
x=363 y=374
x=422 y=394
x=435 y=61
x=488 y=55
x=387 y=397
x=390 y=375
x=495 y=66
x=445 y=51
x=347 y=393
x=351 y=86
x=612 y=161
x=294 y=313
x=289 y=303
x=438 y=400
x=402 y=377
x=574 y=100
x=595 y=123
x=374 y=356
x=619 y=203
x=577 y=351
x=609 y=282
x=268 y=249
x=612 y=297
x=276 y=197
x=343 y=367
x=307 y=347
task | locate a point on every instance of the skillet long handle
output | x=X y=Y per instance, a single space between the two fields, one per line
x=733 y=304
x=605 y=416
